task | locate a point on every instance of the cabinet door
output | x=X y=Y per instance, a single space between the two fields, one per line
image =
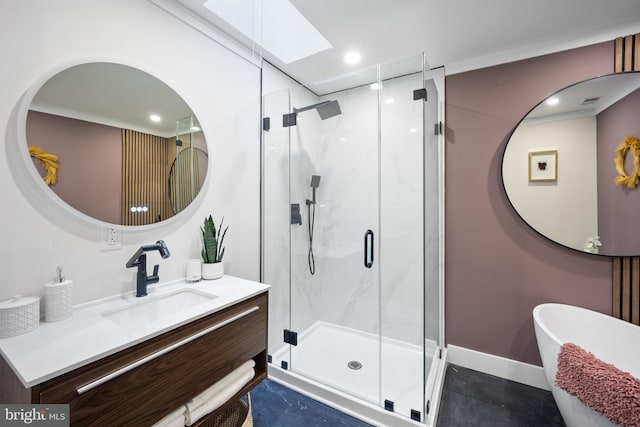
x=141 y=385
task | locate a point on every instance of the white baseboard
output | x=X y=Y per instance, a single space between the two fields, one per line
x=499 y=366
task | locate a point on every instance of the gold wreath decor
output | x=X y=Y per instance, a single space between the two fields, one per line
x=49 y=161
x=631 y=181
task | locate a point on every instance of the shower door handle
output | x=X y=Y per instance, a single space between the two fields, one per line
x=368 y=249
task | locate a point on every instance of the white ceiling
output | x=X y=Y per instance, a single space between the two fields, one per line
x=458 y=34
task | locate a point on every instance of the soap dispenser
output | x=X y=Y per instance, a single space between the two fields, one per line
x=58 y=295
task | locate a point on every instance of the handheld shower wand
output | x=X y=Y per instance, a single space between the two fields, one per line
x=315 y=183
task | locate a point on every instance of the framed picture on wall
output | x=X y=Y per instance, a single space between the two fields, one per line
x=543 y=166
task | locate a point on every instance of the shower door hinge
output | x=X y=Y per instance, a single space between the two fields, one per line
x=289 y=119
x=437 y=128
x=266 y=123
x=427 y=407
x=440 y=354
x=388 y=405
x=290 y=337
x=420 y=94
x=416 y=415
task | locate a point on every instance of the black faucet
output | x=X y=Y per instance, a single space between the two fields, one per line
x=139 y=259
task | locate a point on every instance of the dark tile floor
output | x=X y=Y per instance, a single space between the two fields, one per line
x=469 y=399
x=273 y=405
x=475 y=399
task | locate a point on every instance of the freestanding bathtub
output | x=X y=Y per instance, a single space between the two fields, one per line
x=609 y=339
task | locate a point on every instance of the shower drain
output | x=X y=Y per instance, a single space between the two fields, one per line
x=354 y=364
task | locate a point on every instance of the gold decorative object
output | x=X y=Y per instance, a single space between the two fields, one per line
x=631 y=181
x=49 y=161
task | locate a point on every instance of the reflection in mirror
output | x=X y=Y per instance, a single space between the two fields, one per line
x=582 y=208
x=116 y=132
x=188 y=170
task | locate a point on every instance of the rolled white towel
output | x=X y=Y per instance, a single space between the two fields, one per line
x=198 y=407
x=215 y=389
x=174 y=419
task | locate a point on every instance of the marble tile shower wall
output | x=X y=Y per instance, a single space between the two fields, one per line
x=344 y=151
x=402 y=205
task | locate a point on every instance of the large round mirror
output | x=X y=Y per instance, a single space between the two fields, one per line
x=564 y=166
x=105 y=138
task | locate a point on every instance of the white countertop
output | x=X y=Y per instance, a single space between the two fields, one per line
x=55 y=348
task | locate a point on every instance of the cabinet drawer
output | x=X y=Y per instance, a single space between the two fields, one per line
x=140 y=385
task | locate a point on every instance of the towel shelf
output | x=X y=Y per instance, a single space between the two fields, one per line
x=144 y=383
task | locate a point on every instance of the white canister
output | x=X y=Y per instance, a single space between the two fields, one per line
x=57 y=300
x=212 y=270
x=19 y=315
x=193 y=270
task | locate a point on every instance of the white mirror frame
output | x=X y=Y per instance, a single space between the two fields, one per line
x=34 y=189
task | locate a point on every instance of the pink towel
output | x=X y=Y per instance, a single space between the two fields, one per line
x=599 y=385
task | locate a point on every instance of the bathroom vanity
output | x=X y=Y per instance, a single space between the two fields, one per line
x=132 y=361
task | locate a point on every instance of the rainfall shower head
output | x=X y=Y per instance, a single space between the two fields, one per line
x=326 y=109
x=329 y=109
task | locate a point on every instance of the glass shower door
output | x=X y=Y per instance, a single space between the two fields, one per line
x=335 y=292
x=276 y=221
x=351 y=243
x=434 y=229
x=402 y=256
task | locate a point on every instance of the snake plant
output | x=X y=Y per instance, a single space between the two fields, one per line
x=212 y=240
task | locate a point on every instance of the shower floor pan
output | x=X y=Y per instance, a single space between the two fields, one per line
x=328 y=354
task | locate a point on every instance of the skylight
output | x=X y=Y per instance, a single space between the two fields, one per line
x=285 y=32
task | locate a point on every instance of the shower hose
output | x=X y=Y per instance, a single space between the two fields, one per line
x=312 y=219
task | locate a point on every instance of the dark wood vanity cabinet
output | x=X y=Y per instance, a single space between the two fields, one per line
x=140 y=385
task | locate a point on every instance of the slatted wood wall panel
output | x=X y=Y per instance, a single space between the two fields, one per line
x=146 y=160
x=626 y=270
x=627 y=54
x=626 y=289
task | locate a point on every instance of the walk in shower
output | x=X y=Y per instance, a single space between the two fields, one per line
x=352 y=240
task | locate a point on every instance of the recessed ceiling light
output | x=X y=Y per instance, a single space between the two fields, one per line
x=154 y=118
x=389 y=100
x=413 y=130
x=552 y=101
x=352 y=57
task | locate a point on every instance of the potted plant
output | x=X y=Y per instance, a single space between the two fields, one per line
x=212 y=249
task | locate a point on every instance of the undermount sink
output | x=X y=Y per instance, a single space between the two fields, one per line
x=153 y=308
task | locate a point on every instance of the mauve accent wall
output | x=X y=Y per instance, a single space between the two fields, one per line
x=618 y=206
x=90 y=159
x=497 y=268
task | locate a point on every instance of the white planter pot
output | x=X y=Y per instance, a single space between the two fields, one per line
x=212 y=270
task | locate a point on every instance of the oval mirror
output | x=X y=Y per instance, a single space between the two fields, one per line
x=104 y=137
x=560 y=165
